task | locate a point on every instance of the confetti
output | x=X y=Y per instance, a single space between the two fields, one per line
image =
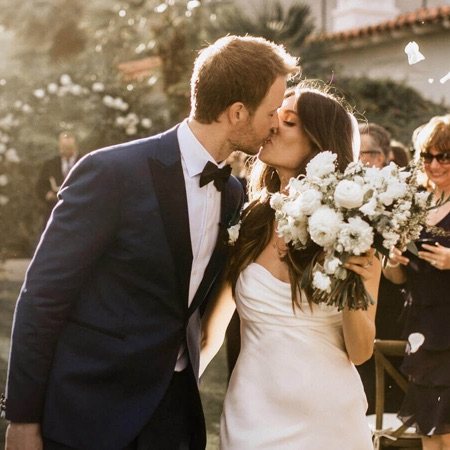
x=444 y=79
x=414 y=56
x=415 y=340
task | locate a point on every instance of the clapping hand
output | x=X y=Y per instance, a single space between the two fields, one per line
x=437 y=255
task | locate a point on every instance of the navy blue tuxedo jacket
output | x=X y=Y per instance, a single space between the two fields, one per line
x=104 y=306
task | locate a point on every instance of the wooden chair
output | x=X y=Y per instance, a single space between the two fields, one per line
x=387 y=430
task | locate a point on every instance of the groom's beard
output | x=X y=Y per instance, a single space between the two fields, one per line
x=246 y=140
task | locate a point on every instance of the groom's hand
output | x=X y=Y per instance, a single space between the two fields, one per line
x=23 y=436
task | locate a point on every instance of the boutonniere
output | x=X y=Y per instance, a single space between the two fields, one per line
x=233 y=233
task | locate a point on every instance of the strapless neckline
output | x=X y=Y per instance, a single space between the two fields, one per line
x=268 y=272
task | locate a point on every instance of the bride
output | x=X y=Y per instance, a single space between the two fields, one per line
x=294 y=385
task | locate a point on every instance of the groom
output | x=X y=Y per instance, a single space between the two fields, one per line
x=105 y=340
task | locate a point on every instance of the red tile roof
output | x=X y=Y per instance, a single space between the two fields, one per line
x=139 y=68
x=424 y=16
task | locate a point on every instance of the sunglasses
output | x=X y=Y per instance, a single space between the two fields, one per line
x=370 y=152
x=441 y=158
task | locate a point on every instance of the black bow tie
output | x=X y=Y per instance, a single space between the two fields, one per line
x=212 y=173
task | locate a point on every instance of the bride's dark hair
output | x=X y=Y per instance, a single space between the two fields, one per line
x=326 y=122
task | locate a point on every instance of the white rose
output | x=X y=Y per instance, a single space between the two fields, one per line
x=324 y=226
x=321 y=281
x=293 y=208
x=348 y=194
x=321 y=165
x=277 y=200
x=310 y=201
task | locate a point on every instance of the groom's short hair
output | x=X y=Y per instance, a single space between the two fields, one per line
x=236 y=69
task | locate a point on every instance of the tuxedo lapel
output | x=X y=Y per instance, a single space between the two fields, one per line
x=168 y=178
x=227 y=209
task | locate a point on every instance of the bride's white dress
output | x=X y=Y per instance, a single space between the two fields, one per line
x=293 y=386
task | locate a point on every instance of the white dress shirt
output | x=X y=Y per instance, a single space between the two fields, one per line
x=67 y=164
x=204 y=212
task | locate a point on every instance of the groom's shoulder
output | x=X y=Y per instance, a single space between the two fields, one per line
x=136 y=149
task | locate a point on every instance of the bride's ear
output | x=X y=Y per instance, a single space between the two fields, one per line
x=237 y=113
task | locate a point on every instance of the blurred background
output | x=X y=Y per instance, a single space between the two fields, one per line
x=111 y=71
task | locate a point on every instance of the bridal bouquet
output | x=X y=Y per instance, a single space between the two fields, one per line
x=346 y=214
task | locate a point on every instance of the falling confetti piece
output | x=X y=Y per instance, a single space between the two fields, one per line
x=415 y=340
x=444 y=79
x=414 y=56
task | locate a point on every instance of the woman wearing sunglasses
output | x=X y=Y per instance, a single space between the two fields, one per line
x=427 y=310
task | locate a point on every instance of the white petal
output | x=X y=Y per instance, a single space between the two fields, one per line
x=445 y=78
x=415 y=341
x=414 y=56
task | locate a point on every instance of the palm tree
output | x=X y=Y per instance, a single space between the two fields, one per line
x=292 y=27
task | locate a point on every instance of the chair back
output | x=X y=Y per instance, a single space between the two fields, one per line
x=387 y=429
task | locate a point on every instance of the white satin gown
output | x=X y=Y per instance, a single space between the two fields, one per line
x=293 y=386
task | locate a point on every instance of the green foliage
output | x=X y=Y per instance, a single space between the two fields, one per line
x=397 y=107
x=70 y=52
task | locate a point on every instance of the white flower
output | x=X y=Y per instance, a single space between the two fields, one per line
x=3 y=200
x=65 y=80
x=52 y=88
x=98 y=87
x=26 y=108
x=39 y=93
x=331 y=265
x=277 y=200
x=414 y=55
x=146 y=122
x=108 y=101
x=321 y=165
x=310 y=201
x=233 y=233
x=348 y=194
x=12 y=156
x=369 y=208
x=324 y=225
x=356 y=236
x=321 y=281
x=4 y=180
x=395 y=190
x=76 y=89
x=292 y=208
x=295 y=231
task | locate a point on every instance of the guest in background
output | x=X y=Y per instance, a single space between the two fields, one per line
x=55 y=170
x=399 y=154
x=375 y=151
x=375 y=144
x=427 y=359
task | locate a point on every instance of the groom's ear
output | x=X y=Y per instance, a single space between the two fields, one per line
x=237 y=113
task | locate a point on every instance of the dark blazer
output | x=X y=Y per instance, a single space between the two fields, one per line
x=101 y=315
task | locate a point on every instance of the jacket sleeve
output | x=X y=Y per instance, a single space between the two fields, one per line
x=84 y=224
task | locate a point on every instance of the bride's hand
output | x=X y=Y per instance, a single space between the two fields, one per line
x=367 y=265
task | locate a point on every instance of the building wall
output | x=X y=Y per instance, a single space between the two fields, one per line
x=322 y=10
x=387 y=59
